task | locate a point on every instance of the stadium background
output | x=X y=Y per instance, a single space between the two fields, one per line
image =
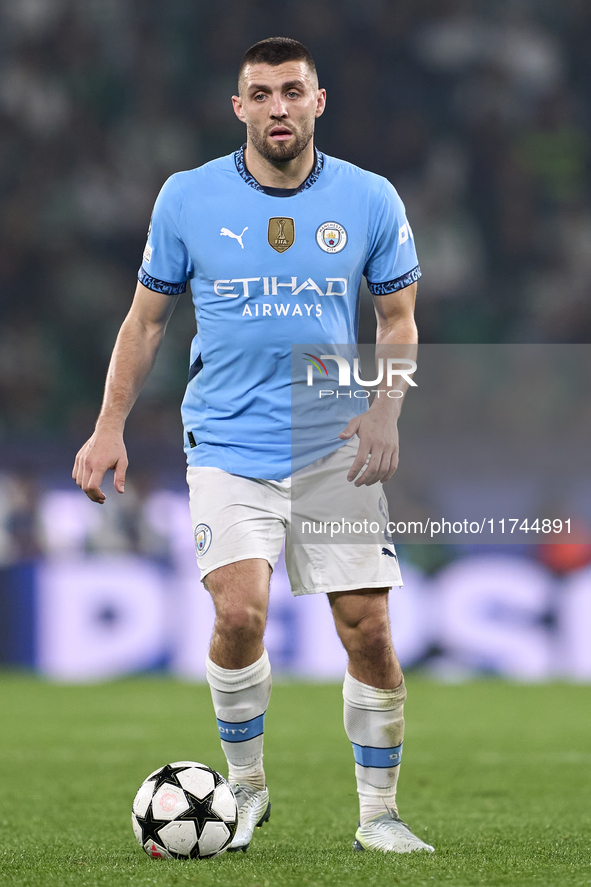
x=480 y=115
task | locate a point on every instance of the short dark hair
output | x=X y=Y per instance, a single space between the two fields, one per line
x=275 y=51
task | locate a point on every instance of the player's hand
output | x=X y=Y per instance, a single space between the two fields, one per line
x=104 y=450
x=378 y=440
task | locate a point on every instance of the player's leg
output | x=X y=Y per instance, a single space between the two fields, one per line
x=356 y=574
x=240 y=593
x=362 y=622
x=239 y=676
x=374 y=695
x=238 y=667
x=239 y=524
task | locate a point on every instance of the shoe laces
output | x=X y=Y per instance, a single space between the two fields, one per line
x=243 y=793
x=390 y=815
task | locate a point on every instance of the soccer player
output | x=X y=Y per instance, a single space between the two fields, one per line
x=273 y=240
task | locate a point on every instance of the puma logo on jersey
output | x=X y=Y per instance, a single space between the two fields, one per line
x=225 y=232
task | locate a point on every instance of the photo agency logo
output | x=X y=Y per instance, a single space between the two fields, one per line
x=386 y=370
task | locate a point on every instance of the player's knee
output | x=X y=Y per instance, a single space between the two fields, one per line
x=244 y=620
x=371 y=634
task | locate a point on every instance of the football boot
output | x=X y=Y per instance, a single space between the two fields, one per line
x=254 y=809
x=388 y=834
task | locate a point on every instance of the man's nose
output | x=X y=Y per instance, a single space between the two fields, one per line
x=278 y=106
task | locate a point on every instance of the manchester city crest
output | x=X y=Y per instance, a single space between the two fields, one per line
x=331 y=237
x=203 y=536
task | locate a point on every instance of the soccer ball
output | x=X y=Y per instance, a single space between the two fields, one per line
x=184 y=811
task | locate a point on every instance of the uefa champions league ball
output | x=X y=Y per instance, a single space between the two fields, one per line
x=184 y=811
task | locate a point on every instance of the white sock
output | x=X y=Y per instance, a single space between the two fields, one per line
x=240 y=699
x=374 y=724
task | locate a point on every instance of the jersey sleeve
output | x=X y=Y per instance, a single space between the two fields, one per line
x=392 y=262
x=166 y=264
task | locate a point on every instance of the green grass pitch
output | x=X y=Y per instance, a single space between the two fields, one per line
x=497 y=776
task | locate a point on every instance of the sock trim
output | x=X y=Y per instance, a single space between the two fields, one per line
x=241 y=731
x=369 y=756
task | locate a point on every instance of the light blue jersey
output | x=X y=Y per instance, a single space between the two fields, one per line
x=268 y=268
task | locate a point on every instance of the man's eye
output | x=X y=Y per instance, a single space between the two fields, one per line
x=259 y=96
x=292 y=94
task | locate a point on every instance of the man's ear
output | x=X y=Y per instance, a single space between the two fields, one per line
x=320 y=102
x=237 y=105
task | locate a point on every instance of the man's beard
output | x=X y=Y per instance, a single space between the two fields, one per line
x=281 y=152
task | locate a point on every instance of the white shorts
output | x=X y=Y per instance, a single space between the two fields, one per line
x=236 y=518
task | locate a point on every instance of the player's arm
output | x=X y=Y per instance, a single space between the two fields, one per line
x=133 y=356
x=377 y=429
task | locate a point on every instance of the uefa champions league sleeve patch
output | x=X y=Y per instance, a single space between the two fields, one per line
x=203 y=537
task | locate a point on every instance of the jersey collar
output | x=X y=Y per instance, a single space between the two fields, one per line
x=277 y=192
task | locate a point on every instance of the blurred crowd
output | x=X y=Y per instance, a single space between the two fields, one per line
x=480 y=114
